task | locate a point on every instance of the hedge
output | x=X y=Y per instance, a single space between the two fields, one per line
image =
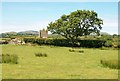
x=92 y=43
x=66 y=42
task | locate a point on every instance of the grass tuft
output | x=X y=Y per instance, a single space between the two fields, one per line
x=73 y=50
x=40 y=54
x=9 y=58
x=114 y=64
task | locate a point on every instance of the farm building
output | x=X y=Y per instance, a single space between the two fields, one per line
x=43 y=33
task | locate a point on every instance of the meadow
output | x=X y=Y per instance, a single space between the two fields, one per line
x=60 y=63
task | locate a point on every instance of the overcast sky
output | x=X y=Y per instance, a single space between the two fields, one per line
x=20 y=16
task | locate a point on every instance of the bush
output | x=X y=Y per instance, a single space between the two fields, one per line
x=40 y=54
x=108 y=44
x=110 y=63
x=29 y=40
x=8 y=58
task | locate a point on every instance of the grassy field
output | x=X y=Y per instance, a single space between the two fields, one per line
x=60 y=63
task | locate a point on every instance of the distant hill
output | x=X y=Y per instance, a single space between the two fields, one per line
x=21 y=33
x=13 y=33
x=104 y=33
x=29 y=32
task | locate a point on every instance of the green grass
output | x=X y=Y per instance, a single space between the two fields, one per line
x=60 y=63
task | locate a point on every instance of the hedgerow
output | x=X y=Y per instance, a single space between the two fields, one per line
x=66 y=42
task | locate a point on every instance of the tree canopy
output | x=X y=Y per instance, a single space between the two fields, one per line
x=77 y=23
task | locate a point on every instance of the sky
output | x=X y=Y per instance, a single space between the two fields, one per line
x=59 y=0
x=21 y=16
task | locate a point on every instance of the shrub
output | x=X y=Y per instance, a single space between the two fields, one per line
x=9 y=58
x=110 y=63
x=118 y=45
x=27 y=40
x=40 y=54
x=108 y=44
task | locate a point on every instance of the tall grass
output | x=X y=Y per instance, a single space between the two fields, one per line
x=9 y=58
x=114 y=64
x=73 y=50
x=40 y=54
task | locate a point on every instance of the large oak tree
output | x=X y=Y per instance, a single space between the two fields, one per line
x=77 y=23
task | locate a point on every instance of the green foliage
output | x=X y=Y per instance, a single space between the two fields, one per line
x=8 y=58
x=111 y=41
x=67 y=42
x=111 y=64
x=92 y=43
x=55 y=36
x=115 y=35
x=108 y=44
x=77 y=23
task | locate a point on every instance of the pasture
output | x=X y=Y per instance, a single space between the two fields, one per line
x=60 y=63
